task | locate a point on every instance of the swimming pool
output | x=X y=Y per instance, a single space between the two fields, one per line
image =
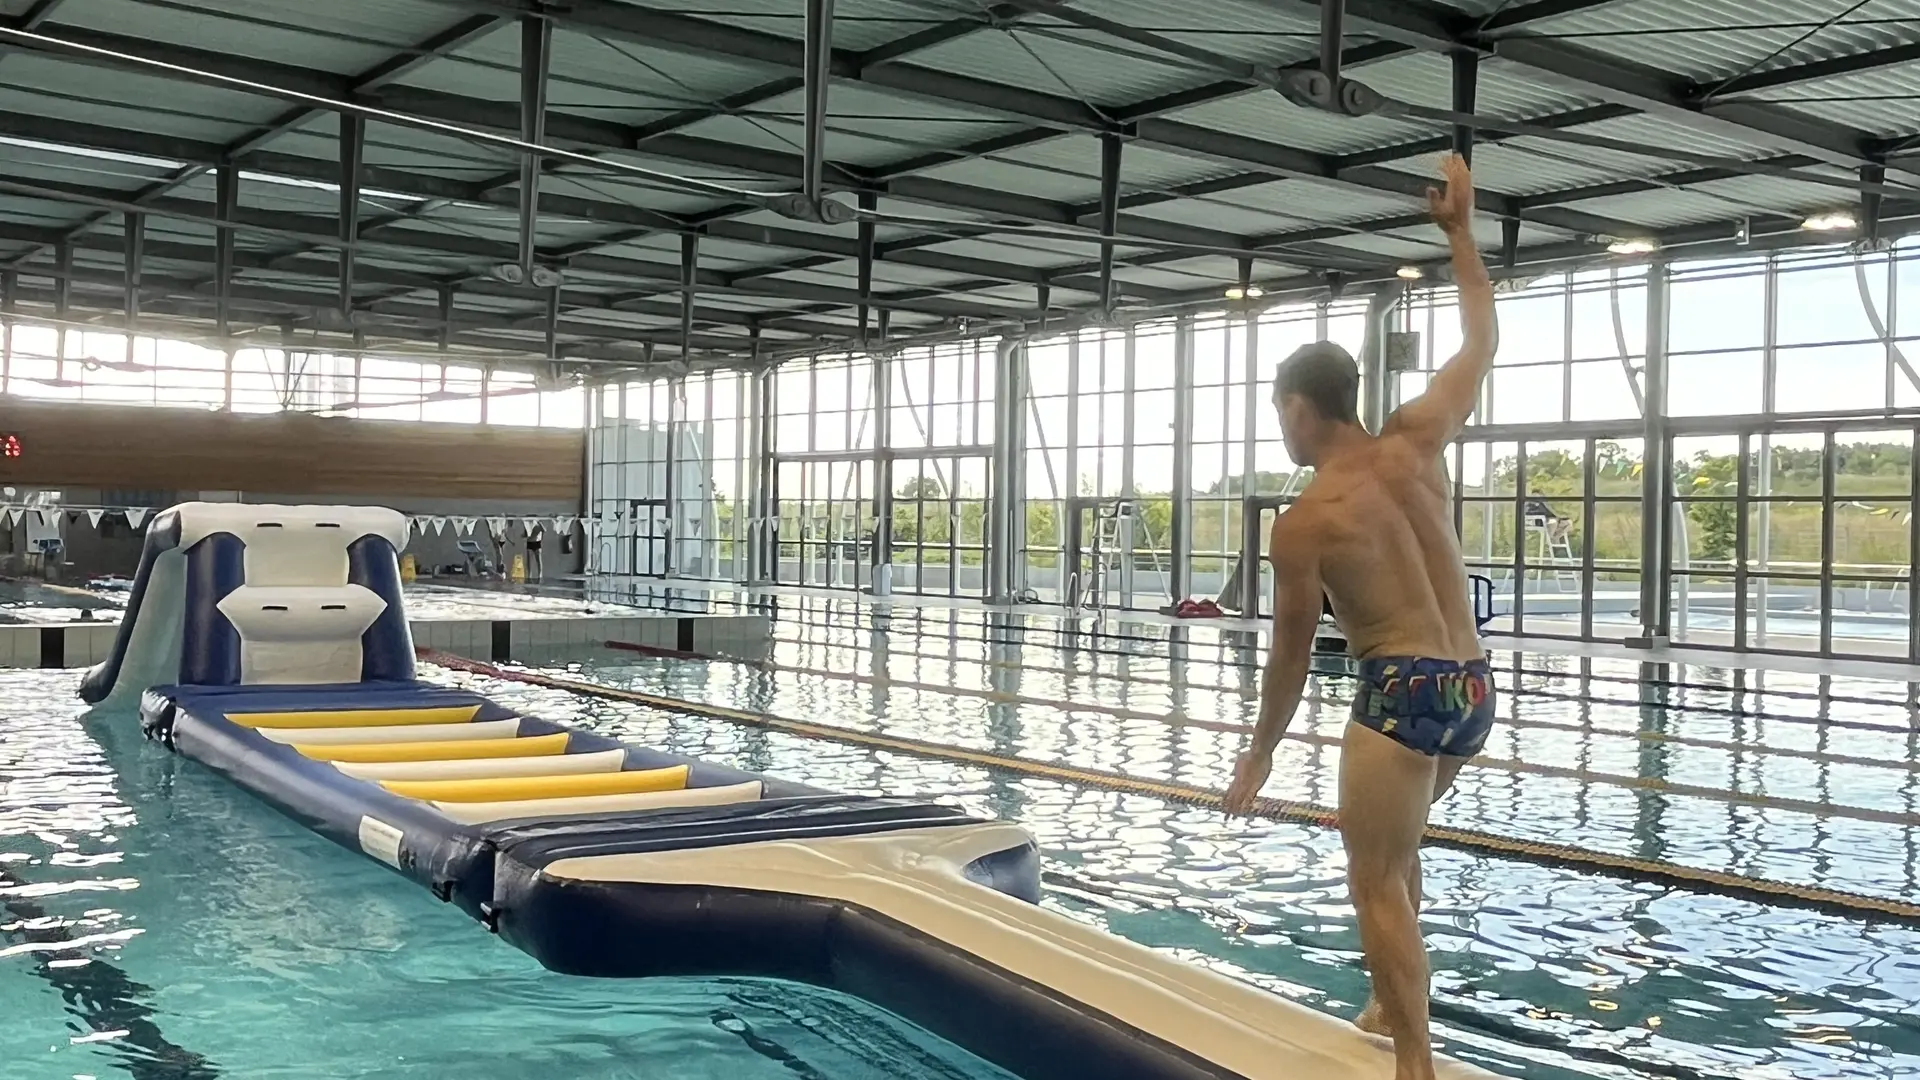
x=264 y=951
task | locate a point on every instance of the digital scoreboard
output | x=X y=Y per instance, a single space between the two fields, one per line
x=10 y=445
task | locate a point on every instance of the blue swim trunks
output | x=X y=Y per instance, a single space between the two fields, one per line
x=1430 y=706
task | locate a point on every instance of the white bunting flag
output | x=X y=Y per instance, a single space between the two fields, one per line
x=438 y=525
x=13 y=515
x=464 y=525
x=136 y=516
x=563 y=526
x=93 y=517
x=529 y=524
x=497 y=526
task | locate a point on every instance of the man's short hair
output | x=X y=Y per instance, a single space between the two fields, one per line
x=1326 y=376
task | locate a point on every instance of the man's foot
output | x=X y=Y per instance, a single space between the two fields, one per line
x=1372 y=1020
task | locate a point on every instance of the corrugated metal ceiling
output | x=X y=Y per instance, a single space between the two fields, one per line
x=1681 y=36
x=631 y=84
x=1271 y=117
x=340 y=36
x=1069 y=69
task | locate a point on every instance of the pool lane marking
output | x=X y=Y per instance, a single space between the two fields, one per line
x=1833 y=901
x=1509 y=765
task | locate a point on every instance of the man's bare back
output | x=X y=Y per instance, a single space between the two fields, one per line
x=1390 y=561
x=1373 y=532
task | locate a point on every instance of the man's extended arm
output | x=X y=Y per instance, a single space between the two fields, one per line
x=1296 y=616
x=1436 y=416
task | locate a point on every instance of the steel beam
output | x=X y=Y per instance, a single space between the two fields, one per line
x=1466 y=84
x=868 y=252
x=553 y=325
x=133 y=257
x=226 y=208
x=689 y=276
x=9 y=298
x=536 y=49
x=1519 y=16
x=353 y=142
x=1708 y=94
x=445 y=299
x=817 y=57
x=1109 y=214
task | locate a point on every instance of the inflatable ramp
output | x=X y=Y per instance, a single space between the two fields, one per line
x=270 y=644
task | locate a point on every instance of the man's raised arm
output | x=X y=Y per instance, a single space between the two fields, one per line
x=1435 y=417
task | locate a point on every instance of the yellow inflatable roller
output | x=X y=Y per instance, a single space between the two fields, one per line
x=598 y=761
x=400 y=733
x=439 y=751
x=339 y=718
x=479 y=813
x=522 y=788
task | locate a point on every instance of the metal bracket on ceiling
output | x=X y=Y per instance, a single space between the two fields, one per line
x=1325 y=88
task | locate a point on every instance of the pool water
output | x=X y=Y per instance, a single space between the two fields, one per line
x=158 y=923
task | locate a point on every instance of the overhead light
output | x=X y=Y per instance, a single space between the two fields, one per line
x=507 y=272
x=1245 y=292
x=1832 y=221
x=546 y=277
x=1638 y=245
x=1255 y=292
x=1409 y=273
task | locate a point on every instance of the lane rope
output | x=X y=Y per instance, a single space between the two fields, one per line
x=1832 y=901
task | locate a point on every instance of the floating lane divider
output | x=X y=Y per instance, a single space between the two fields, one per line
x=269 y=644
x=1833 y=901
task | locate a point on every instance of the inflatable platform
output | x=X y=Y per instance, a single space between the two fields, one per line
x=270 y=644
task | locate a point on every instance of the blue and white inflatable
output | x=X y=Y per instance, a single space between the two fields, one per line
x=270 y=644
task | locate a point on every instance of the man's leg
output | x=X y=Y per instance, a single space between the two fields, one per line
x=1385 y=790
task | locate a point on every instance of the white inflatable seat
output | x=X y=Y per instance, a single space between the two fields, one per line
x=479 y=813
x=301 y=633
x=399 y=733
x=487 y=768
x=293 y=545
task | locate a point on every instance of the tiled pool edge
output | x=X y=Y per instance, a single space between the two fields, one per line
x=82 y=644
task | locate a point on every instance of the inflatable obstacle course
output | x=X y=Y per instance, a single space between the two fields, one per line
x=270 y=644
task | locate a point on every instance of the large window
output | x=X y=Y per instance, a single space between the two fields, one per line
x=108 y=367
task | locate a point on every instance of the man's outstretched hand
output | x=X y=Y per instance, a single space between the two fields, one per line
x=1249 y=775
x=1452 y=209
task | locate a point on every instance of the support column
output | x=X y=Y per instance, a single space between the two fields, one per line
x=883 y=458
x=1181 y=541
x=446 y=321
x=762 y=546
x=1656 y=469
x=1373 y=354
x=1009 y=488
x=536 y=41
x=353 y=141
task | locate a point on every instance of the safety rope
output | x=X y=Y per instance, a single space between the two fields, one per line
x=1655 y=871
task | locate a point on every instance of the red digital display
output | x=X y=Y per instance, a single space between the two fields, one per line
x=10 y=446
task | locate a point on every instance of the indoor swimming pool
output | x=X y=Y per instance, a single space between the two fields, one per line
x=160 y=923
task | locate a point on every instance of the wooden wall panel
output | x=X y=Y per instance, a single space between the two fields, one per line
x=113 y=446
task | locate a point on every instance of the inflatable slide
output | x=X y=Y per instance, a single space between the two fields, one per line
x=270 y=644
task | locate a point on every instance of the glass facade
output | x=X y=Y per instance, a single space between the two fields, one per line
x=1135 y=466
x=1148 y=463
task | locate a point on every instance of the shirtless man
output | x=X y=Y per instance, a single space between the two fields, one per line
x=1374 y=532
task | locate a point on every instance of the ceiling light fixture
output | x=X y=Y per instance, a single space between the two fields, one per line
x=1409 y=273
x=1245 y=292
x=1633 y=246
x=1832 y=221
